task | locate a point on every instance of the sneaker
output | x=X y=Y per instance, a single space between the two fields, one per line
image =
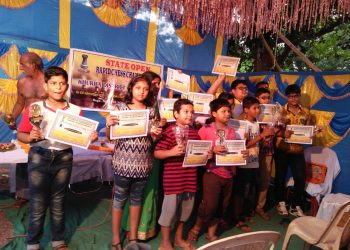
x=282 y=209
x=297 y=211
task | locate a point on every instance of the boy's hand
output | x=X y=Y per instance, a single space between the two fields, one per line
x=157 y=132
x=245 y=154
x=111 y=120
x=177 y=150
x=288 y=133
x=210 y=154
x=219 y=149
x=35 y=134
x=93 y=136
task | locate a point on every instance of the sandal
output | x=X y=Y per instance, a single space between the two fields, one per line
x=117 y=246
x=132 y=241
x=193 y=235
x=243 y=227
x=212 y=238
x=61 y=247
x=187 y=246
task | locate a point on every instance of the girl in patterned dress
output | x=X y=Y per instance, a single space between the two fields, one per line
x=132 y=160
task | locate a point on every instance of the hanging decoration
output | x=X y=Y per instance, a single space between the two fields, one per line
x=111 y=12
x=189 y=34
x=15 y=4
x=248 y=18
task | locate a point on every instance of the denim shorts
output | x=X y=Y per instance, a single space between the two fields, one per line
x=126 y=187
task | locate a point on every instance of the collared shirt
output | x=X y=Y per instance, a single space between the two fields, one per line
x=237 y=110
x=301 y=118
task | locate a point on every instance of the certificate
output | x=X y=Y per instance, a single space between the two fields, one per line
x=267 y=113
x=71 y=129
x=226 y=65
x=196 y=153
x=132 y=123
x=166 y=108
x=240 y=127
x=233 y=156
x=178 y=81
x=200 y=102
x=301 y=134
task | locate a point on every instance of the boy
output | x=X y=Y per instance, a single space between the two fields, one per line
x=246 y=179
x=49 y=162
x=265 y=158
x=291 y=154
x=179 y=183
x=239 y=90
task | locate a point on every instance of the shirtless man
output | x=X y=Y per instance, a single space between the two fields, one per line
x=30 y=87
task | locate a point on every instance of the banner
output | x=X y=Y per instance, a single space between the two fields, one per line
x=98 y=80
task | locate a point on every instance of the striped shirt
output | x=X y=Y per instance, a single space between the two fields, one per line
x=176 y=178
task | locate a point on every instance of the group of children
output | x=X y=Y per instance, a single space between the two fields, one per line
x=50 y=163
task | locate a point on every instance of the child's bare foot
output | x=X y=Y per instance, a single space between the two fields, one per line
x=184 y=244
x=165 y=247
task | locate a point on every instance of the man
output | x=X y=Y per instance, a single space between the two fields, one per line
x=30 y=87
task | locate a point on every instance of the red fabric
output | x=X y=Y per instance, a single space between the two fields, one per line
x=25 y=125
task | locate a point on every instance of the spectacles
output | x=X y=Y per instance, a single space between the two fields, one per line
x=292 y=96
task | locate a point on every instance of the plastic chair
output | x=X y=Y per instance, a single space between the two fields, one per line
x=255 y=240
x=318 y=232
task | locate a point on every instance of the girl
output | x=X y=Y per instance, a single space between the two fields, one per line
x=132 y=160
x=217 y=181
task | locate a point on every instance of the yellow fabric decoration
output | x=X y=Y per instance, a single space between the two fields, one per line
x=64 y=24
x=9 y=62
x=194 y=87
x=114 y=17
x=310 y=93
x=340 y=79
x=289 y=79
x=8 y=93
x=65 y=64
x=219 y=45
x=49 y=55
x=15 y=4
x=256 y=79
x=152 y=35
x=189 y=36
x=272 y=85
x=211 y=79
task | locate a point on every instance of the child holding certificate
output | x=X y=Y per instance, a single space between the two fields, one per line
x=132 y=160
x=246 y=179
x=217 y=181
x=49 y=162
x=179 y=183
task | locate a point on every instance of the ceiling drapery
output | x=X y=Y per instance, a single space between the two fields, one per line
x=248 y=18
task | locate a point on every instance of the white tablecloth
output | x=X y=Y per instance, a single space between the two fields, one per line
x=330 y=205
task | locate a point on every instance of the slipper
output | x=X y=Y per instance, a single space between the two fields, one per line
x=212 y=238
x=243 y=227
x=193 y=235
x=187 y=246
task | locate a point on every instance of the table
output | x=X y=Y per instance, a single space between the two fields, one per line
x=330 y=205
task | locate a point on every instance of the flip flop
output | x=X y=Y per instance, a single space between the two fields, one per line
x=193 y=235
x=243 y=227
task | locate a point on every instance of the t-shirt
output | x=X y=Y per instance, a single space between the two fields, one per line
x=237 y=109
x=133 y=157
x=208 y=132
x=253 y=158
x=48 y=114
x=176 y=178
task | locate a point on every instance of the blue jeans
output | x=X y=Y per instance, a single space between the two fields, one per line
x=49 y=173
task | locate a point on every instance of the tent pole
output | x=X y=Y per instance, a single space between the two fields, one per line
x=270 y=52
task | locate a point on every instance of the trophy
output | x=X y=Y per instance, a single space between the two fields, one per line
x=35 y=116
x=154 y=124
x=181 y=135
x=221 y=136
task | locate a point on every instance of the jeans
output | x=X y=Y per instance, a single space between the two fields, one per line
x=49 y=174
x=297 y=164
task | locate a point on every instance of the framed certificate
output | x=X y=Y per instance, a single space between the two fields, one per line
x=71 y=129
x=132 y=123
x=226 y=65
x=233 y=156
x=240 y=127
x=200 y=102
x=178 y=81
x=166 y=108
x=196 y=153
x=267 y=113
x=301 y=134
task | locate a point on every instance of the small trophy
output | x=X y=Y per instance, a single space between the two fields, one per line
x=84 y=67
x=35 y=116
x=181 y=135
x=221 y=136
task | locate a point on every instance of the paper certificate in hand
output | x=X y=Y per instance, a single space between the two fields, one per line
x=177 y=81
x=132 y=123
x=71 y=129
x=166 y=108
x=267 y=113
x=226 y=65
x=200 y=102
x=240 y=127
x=233 y=156
x=301 y=134
x=196 y=153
